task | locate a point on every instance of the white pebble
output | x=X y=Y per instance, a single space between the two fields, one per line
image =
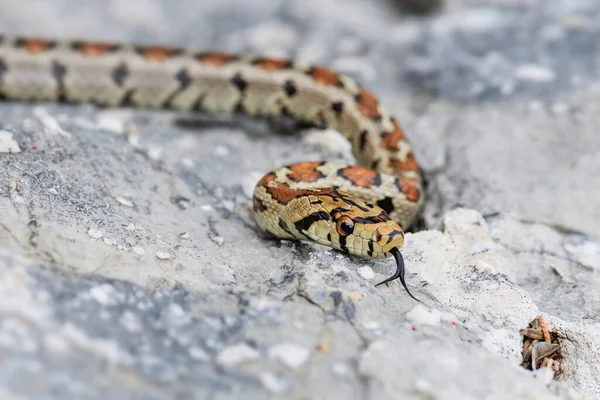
x=422 y=315
x=274 y=384
x=155 y=153
x=124 y=201
x=366 y=272
x=218 y=240
x=95 y=234
x=222 y=151
x=108 y=241
x=102 y=294
x=237 y=354
x=162 y=255
x=341 y=369
x=184 y=235
x=54 y=343
x=206 y=207
x=534 y=73
x=8 y=144
x=485 y=267
x=198 y=354
x=188 y=162
x=291 y=355
x=371 y=325
x=110 y=122
x=138 y=251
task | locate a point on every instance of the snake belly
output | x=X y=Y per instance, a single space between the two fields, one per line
x=356 y=209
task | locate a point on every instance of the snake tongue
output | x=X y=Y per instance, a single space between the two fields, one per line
x=399 y=274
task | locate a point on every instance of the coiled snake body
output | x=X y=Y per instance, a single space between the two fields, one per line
x=355 y=209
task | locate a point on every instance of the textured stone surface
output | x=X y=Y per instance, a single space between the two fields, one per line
x=130 y=264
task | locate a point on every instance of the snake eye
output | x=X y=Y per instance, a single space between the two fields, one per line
x=345 y=226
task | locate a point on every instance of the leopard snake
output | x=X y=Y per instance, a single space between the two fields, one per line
x=354 y=209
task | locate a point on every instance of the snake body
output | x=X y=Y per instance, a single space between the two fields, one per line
x=354 y=209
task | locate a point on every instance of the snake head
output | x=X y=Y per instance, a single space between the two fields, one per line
x=348 y=224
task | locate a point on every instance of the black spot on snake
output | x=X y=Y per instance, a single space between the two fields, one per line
x=284 y=226
x=386 y=204
x=363 y=140
x=239 y=108
x=371 y=250
x=339 y=210
x=337 y=107
x=307 y=221
x=258 y=204
x=119 y=74
x=127 y=99
x=375 y=164
x=285 y=112
x=58 y=71
x=3 y=67
x=316 y=202
x=239 y=82
x=382 y=217
x=183 y=78
x=329 y=236
x=342 y=240
x=290 y=88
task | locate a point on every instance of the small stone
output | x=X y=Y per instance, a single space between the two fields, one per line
x=371 y=325
x=218 y=240
x=422 y=315
x=7 y=143
x=138 y=251
x=291 y=355
x=534 y=73
x=198 y=354
x=222 y=151
x=341 y=369
x=102 y=294
x=184 y=235
x=108 y=241
x=124 y=201
x=237 y=354
x=366 y=272
x=188 y=162
x=110 y=121
x=274 y=384
x=162 y=255
x=155 y=153
x=95 y=234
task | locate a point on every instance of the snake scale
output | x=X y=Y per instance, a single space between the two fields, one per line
x=354 y=209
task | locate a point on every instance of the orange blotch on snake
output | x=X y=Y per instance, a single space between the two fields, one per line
x=158 y=53
x=360 y=176
x=215 y=58
x=283 y=194
x=95 y=49
x=325 y=76
x=409 y=189
x=36 y=46
x=410 y=164
x=390 y=140
x=305 y=171
x=367 y=104
x=272 y=64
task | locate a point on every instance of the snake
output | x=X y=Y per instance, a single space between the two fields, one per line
x=359 y=209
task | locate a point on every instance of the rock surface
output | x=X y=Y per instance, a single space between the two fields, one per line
x=130 y=265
